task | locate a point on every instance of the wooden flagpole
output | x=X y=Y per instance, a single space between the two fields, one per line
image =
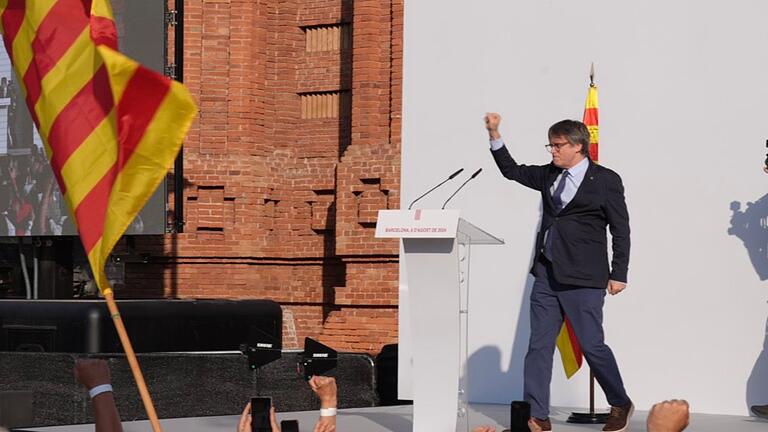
x=132 y=361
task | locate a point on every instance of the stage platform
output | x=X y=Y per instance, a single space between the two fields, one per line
x=398 y=419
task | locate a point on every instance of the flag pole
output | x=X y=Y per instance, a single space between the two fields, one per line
x=590 y=417
x=132 y=361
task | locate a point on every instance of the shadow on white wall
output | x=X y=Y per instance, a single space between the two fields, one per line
x=751 y=227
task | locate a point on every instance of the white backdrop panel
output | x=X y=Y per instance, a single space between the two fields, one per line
x=683 y=113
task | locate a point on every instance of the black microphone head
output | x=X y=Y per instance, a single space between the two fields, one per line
x=455 y=174
x=476 y=173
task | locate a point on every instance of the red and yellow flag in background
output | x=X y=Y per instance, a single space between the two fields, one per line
x=591 y=120
x=111 y=127
x=567 y=344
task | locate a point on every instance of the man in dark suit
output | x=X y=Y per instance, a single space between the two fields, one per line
x=579 y=199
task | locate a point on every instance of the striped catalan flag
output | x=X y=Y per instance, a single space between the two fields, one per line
x=567 y=344
x=111 y=127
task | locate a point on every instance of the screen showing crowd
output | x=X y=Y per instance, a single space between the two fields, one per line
x=31 y=202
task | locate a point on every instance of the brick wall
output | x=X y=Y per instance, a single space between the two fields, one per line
x=296 y=148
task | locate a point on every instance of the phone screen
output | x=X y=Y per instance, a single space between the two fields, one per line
x=260 y=414
x=289 y=426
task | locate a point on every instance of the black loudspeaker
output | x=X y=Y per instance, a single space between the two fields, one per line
x=386 y=376
x=29 y=338
x=85 y=326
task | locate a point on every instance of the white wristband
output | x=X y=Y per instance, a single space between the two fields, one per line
x=327 y=412
x=99 y=389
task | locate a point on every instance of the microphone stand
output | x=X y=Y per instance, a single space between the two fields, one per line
x=451 y=177
x=462 y=185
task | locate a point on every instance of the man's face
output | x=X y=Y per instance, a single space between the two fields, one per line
x=564 y=154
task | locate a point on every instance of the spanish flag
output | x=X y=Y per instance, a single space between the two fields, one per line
x=591 y=120
x=567 y=344
x=111 y=127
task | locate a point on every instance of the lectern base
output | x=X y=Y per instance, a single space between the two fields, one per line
x=588 y=418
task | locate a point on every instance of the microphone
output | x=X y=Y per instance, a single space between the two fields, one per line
x=462 y=185
x=441 y=183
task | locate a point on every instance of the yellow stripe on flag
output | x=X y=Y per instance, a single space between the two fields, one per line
x=567 y=354
x=97 y=265
x=591 y=97
x=102 y=9
x=591 y=120
x=34 y=14
x=3 y=5
x=66 y=79
x=89 y=162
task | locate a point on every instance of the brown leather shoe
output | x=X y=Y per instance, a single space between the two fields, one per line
x=545 y=425
x=618 y=420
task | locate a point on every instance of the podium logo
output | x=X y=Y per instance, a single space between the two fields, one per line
x=417 y=215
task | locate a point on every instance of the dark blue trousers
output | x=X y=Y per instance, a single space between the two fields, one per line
x=584 y=307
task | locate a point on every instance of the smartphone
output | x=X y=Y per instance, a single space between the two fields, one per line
x=289 y=426
x=520 y=412
x=260 y=414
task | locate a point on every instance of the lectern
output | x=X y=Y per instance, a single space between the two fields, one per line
x=436 y=245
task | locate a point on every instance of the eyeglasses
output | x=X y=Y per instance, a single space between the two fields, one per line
x=556 y=146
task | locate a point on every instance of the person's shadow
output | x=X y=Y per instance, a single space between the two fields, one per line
x=487 y=381
x=751 y=226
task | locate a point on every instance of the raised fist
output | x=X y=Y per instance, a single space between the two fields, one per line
x=492 y=121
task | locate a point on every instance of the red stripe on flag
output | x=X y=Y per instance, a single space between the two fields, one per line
x=91 y=212
x=13 y=17
x=103 y=32
x=590 y=116
x=78 y=119
x=574 y=342
x=57 y=31
x=143 y=95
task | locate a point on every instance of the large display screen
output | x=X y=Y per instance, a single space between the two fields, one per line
x=30 y=200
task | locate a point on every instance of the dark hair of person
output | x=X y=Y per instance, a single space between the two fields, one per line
x=574 y=131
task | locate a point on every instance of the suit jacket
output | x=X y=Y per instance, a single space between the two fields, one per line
x=580 y=250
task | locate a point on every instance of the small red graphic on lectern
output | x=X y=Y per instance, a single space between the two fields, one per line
x=417 y=216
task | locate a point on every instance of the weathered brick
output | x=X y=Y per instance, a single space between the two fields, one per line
x=277 y=206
